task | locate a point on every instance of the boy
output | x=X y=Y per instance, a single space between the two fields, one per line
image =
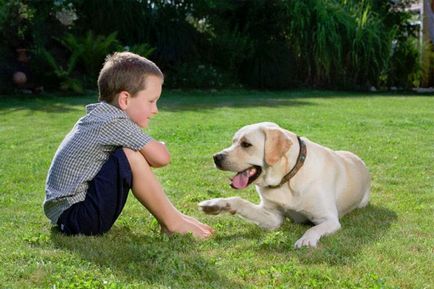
x=107 y=153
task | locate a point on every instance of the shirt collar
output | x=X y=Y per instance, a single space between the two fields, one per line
x=105 y=107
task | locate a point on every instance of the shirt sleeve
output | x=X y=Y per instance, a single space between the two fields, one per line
x=124 y=133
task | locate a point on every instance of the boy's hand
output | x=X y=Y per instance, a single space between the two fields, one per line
x=156 y=154
x=186 y=224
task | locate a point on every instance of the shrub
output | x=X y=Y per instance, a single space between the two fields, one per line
x=16 y=20
x=197 y=76
x=76 y=63
x=6 y=70
x=404 y=67
x=91 y=51
x=322 y=43
x=143 y=49
x=338 y=44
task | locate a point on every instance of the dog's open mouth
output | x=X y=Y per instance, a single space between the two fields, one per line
x=244 y=178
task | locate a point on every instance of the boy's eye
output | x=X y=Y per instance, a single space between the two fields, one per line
x=245 y=144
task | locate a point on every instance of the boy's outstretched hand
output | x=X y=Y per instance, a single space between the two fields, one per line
x=187 y=224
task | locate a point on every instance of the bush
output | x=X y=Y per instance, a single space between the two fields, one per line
x=91 y=51
x=197 y=76
x=211 y=44
x=338 y=44
x=6 y=70
x=78 y=65
x=271 y=66
x=404 y=68
x=16 y=20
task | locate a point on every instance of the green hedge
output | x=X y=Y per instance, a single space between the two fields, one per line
x=204 y=44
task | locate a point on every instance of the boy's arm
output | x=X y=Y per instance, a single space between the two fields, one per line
x=156 y=154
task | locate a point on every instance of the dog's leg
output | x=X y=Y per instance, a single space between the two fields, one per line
x=265 y=218
x=311 y=236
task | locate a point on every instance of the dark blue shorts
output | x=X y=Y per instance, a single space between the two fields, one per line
x=105 y=199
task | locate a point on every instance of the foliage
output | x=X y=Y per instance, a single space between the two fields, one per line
x=261 y=57
x=370 y=46
x=84 y=54
x=338 y=44
x=197 y=76
x=404 y=69
x=64 y=74
x=322 y=43
x=6 y=69
x=259 y=44
x=16 y=19
x=92 y=50
x=386 y=245
x=427 y=63
x=143 y=49
x=131 y=20
x=231 y=48
x=162 y=24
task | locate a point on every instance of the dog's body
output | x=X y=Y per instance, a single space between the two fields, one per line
x=325 y=187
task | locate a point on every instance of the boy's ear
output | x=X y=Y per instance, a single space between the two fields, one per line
x=123 y=100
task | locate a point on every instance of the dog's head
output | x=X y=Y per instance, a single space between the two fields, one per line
x=258 y=154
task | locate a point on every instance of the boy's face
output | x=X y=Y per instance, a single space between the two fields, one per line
x=143 y=105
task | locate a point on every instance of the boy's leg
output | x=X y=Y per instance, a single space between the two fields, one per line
x=105 y=199
x=149 y=192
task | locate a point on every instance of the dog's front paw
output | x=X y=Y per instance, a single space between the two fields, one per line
x=308 y=240
x=216 y=206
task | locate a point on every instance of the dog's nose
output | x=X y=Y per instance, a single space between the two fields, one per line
x=218 y=158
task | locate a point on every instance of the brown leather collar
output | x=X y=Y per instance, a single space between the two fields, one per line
x=300 y=161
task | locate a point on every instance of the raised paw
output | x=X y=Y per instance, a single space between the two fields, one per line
x=216 y=206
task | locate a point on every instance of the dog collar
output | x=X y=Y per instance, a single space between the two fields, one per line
x=300 y=161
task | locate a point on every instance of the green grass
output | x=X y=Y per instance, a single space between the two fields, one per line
x=389 y=244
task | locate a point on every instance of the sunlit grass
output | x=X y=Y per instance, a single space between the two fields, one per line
x=386 y=245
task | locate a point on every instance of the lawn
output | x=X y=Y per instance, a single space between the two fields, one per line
x=389 y=244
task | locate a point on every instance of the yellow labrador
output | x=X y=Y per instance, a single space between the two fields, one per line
x=294 y=177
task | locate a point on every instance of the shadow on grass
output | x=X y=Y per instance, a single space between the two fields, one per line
x=231 y=100
x=48 y=104
x=360 y=229
x=154 y=260
x=178 y=100
x=184 y=101
x=196 y=100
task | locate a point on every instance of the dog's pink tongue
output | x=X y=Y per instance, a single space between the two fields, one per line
x=240 y=180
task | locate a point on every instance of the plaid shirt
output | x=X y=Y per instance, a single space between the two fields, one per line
x=83 y=152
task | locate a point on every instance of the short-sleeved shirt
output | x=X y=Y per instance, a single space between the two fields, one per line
x=83 y=152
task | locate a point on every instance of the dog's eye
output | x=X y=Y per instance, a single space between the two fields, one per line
x=245 y=144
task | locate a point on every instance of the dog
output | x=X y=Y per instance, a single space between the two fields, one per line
x=294 y=177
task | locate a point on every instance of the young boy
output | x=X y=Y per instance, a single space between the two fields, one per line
x=107 y=153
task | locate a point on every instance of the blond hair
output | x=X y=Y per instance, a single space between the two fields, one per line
x=124 y=71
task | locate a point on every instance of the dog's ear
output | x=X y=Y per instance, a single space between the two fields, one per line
x=277 y=143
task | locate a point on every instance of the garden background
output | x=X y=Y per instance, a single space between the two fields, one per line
x=276 y=44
